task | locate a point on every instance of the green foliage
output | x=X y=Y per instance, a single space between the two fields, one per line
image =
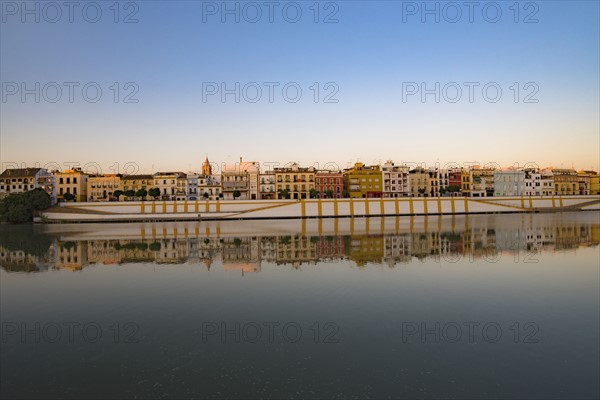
x=237 y=242
x=313 y=193
x=154 y=192
x=37 y=198
x=141 y=193
x=454 y=188
x=69 y=196
x=26 y=238
x=18 y=214
x=132 y=246
x=129 y=193
x=206 y=195
x=19 y=208
x=284 y=194
x=70 y=245
x=236 y=194
x=118 y=193
x=154 y=246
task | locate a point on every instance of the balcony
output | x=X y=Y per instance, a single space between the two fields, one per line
x=235 y=185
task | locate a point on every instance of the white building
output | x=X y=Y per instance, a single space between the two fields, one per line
x=192 y=186
x=538 y=182
x=243 y=178
x=172 y=185
x=19 y=180
x=396 y=182
x=509 y=182
x=267 y=186
x=209 y=187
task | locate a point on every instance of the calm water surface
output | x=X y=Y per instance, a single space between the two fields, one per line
x=489 y=306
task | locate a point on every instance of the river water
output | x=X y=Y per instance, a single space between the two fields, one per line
x=481 y=306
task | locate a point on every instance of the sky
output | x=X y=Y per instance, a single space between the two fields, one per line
x=170 y=82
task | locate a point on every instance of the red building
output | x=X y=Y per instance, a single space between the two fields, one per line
x=455 y=178
x=329 y=184
x=331 y=248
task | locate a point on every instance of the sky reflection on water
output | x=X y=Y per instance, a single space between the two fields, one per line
x=478 y=306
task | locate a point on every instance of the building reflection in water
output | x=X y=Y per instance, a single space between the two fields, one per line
x=472 y=237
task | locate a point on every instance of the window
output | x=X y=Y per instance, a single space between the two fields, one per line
x=74 y=180
x=60 y=180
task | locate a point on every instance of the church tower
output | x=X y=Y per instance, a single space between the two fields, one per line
x=206 y=167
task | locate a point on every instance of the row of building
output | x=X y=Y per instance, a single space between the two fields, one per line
x=246 y=254
x=246 y=181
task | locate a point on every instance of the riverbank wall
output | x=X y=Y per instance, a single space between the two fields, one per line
x=136 y=211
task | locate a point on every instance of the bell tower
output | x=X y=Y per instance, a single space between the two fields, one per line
x=206 y=167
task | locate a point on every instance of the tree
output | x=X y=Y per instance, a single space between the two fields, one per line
x=312 y=193
x=329 y=194
x=454 y=188
x=141 y=193
x=129 y=193
x=442 y=191
x=37 y=199
x=236 y=194
x=346 y=193
x=155 y=246
x=284 y=193
x=154 y=192
x=69 y=196
x=18 y=214
x=19 y=208
x=206 y=195
x=118 y=193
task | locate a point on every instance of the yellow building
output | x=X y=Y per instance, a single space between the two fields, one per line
x=594 y=182
x=365 y=249
x=566 y=182
x=72 y=181
x=423 y=183
x=137 y=182
x=296 y=181
x=296 y=250
x=465 y=179
x=102 y=187
x=363 y=181
x=482 y=181
x=583 y=183
x=71 y=256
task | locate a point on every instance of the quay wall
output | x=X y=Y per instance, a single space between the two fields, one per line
x=309 y=208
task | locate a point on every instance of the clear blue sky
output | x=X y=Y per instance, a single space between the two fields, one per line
x=367 y=54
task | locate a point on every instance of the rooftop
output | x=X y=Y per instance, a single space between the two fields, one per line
x=20 y=172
